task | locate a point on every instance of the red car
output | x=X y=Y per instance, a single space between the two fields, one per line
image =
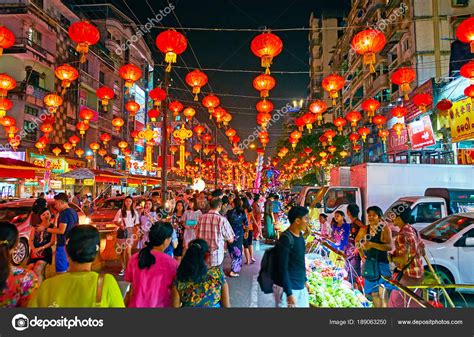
x=19 y=213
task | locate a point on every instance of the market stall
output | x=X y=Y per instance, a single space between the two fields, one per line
x=14 y=176
x=95 y=181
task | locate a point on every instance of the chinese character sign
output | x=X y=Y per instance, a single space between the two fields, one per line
x=462 y=120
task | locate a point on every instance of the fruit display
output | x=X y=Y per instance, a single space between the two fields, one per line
x=328 y=288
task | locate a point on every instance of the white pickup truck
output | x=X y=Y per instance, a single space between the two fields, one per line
x=381 y=184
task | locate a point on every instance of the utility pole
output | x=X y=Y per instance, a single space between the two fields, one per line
x=164 y=141
x=216 y=169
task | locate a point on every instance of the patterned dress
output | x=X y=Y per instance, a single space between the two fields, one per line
x=205 y=294
x=21 y=285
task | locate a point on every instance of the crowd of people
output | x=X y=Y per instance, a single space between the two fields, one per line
x=175 y=258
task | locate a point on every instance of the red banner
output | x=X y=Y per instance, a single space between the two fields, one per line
x=396 y=143
x=413 y=110
x=421 y=133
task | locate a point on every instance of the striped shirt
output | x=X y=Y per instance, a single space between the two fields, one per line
x=215 y=229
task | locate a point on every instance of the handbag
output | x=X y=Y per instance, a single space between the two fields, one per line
x=371 y=271
x=122 y=233
x=191 y=223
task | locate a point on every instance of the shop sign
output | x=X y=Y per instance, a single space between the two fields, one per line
x=466 y=156
x=421 y=133
x=75 y=164
x=462 y=120
x=413 y=110
x=31 y=182
x=55 y=184
x=57 y=164
x=69 y=181
x=396 y=143
x=88 y=182
x=12 y=155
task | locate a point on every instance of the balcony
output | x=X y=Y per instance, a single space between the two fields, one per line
x=381 y=82
x=89 y=80
x=14 y=7
x=24 y=45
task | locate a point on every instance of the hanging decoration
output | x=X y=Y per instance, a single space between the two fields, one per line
x=105 y=138
x=157 y=95
x=332 y=84
x=318 y=107
x=132 y=108
x=171 y=43
x=130 y=73
x=266 y=46
x=53 y=102
x=422 y=101
x=182 y=134
x=105 y=94
x=5 y=105
x=370 y=106
x=363 y=132
x=118 y=122
x=66 y=74
x=85 y=35
x=465 y=32
x=196 y=79
x=264 y=83
x=368 y=43
x=176 y=107
x=87 y=115
x=403 y=77
x=82 y=127
x=7 y=83
x=7 y=39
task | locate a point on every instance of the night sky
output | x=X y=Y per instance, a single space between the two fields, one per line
x=231 y=50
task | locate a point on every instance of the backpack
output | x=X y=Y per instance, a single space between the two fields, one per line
x=268 y=268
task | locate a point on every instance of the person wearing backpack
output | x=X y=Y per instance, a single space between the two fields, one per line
x=290 y=288
x=407 y=257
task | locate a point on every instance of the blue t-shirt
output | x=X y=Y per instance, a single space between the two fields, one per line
x=71 y=219
x=276 y=206
x=174 y=238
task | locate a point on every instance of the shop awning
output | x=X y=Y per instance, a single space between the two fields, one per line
x=100 y=176
x=19 y=169
x=139 y=179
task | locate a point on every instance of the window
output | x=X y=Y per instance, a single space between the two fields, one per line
x=34 y=36
x=33 y=78
x=459 y=3
x=31 y=111
x=444 y=229
x=30 y=129
x=337 y=197
x=427 y=212
x=85 y=66
x=462 y=241
x=101 y=78
x=65 y=21
x=310 y=196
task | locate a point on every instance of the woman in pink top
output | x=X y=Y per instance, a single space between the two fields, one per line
x=151 y=272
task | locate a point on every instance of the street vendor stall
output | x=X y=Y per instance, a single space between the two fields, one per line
x=14 y=174
x=95 y=181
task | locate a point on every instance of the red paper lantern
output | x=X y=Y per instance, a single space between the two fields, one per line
x=85 y=35
x=74 y=140
x=368 y=43
x=318 y=107
x=379 y=120
x=196 y=79
x=105 y=94
x=132 y=108
x=296 y=135
x=197 y=147
x=264 y=106
x=46 y=128
x=171 y=43
x=363 y=132
x=135 y=135
x=264 y=83
x=422 y=100
x=332 y=84
x=300 y=123
x=398 y=128
x=206 y=138
x=469 y=91
x=444 y=105
x=122 y=145
x=465 y=32
x=383 y=134
x=211 y=102
x=370 y=105
x=230 y=133
x=5 y=105
x=403 y=77
x=308 y=150
x=94 y=147
x=266 y=46
x=87 y=115
x=189 y=113
x=263 y=119
x=82 y=127
x=332 y=149
x=153 y=114
x=227 y=119
x=340 y=122
x=66 y=74
x=40 y=146
x=105 y=138
x=399 y=112
x=199 y=129
x=67 y=146
x=53 y=102
x=354 y=137
x=130 y=73
x=219 y=113
x=7 y=39
x=329 y=134
x=293 y=142
x=467 y=71
x=235 y=140
x=157 y=95
x=176 y=107
x=354 y=117
x=7 y=83
x=118 y=122
x=356 y=148
x=323 y=140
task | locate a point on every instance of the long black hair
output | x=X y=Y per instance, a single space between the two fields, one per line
x=193 y=266
x=132 y=208
x=83 y=244
x=8 y=240
x=159 y=232
x=176 y=206
x=341 y=213
x=246 y=204
x=238 y=205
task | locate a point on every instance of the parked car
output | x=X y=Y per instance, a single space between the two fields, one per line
x=19 y=213
x=449 y=245
x=104 y=214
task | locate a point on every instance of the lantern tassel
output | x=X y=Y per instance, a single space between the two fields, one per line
x=196 y=98
x=267 y=71
x=168 y=68
x=1 y=51
x=472 y=47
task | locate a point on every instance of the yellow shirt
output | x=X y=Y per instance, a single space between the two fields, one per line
x=77 y=290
